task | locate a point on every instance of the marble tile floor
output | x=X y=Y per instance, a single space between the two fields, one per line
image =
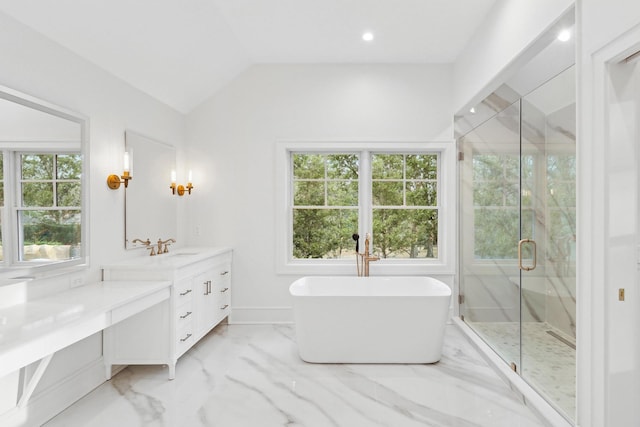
x=548 y=364
x=251 y=375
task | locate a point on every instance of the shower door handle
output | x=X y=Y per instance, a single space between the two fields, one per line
x=535 y=254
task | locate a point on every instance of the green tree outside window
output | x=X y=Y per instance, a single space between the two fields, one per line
x=50 y=212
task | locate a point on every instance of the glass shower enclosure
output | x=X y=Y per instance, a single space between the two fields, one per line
x=518 y=236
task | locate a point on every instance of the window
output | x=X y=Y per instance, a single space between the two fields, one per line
x=48 y=212
x=325 y=204
x=499 y=216
x=405 y=205
x=44 y=224
x=394 y=191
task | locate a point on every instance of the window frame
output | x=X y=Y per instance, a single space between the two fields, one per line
x=447 y=189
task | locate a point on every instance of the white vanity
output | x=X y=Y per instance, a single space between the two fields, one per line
x=200 y=299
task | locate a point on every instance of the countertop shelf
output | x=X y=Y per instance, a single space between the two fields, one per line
x=36 y=329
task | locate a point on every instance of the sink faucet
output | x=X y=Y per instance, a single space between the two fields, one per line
x=365 y=256
x=147 y=245
x=163 y=245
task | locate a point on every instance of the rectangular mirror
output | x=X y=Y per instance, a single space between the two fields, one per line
x=150 y=207
x=42 y=184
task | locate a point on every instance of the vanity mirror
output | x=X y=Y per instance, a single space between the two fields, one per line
x=150 y=209
x=43 y=189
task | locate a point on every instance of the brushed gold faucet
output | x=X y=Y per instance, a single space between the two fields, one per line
x=163 y=245
x=147 y=245
x=366 y=258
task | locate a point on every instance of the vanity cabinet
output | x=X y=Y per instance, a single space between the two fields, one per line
x=200 y=300
x=213 y=288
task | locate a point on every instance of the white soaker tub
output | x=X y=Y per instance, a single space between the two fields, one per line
x=370 y=319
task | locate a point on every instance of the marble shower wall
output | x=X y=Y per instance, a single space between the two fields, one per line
x=560 y=257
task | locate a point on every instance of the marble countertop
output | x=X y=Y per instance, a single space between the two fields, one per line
x=34 y=329
x=172 y=260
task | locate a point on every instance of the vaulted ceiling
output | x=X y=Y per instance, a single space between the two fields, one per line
x=182 y=52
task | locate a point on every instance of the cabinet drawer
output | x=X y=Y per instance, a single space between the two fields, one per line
x=223 y=305
x=184 y=314
x=223 y=289
x=224 y=296
x=222 y=272
x=224 y=311
x=185 y=338
x=184 y=291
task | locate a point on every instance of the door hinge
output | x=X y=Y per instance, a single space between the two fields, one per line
x=460 y=155
x=460 y=299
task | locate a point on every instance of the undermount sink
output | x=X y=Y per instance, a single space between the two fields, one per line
x=185 y=253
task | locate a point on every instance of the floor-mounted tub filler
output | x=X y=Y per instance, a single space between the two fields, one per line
x=370 y=319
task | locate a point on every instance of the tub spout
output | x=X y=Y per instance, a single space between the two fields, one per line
x=367 y=260
x=366 y=257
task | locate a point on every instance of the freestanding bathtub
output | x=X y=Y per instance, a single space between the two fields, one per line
x=370 y=319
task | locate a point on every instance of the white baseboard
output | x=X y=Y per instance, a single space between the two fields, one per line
x=50 y=402
x=260 y=315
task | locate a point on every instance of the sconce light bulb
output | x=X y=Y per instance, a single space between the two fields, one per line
x=190 y=180
x=173 y=177
x=114 y=181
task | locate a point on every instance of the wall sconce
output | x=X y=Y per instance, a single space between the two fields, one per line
x=114 y=181
x=180 y=189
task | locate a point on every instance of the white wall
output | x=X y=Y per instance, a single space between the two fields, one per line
x=232 y=139
x=496 y=47
x=608 y=158
x=38 y=67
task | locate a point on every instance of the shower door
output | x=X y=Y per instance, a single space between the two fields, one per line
x=490 y=230
x=517 y=237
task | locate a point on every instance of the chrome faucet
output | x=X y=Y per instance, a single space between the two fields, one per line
x=365 y=256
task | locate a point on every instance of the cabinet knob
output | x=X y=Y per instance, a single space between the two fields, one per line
x=185 y=338
x=184 y=316
x=224 y=306
x=185 y=292
x=224 y=290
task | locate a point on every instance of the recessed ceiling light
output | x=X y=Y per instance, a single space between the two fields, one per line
x=564 y=35
x=472 y=110
x=368 y=36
